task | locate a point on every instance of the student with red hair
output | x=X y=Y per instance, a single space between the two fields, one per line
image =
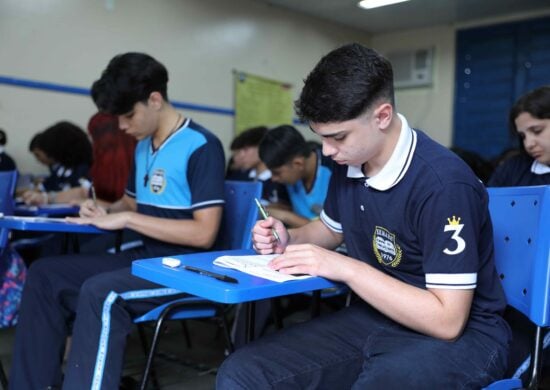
x=113 y=156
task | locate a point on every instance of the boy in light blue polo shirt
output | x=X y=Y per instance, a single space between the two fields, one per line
x=304 y=171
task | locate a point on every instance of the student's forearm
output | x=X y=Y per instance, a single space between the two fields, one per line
x=437 y=313
x=199 y=233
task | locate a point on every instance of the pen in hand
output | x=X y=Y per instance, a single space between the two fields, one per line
x=94 y=198
x=265 y=215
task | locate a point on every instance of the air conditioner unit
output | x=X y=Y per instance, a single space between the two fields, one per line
x=412 y=68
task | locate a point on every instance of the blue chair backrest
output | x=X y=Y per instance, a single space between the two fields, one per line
x=239 y=215
x=8 y=180
x=521 y=225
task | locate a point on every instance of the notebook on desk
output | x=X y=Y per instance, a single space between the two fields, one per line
x=256 y=265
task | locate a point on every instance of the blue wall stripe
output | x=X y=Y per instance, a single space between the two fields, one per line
x=46 y=86
x=24 y=83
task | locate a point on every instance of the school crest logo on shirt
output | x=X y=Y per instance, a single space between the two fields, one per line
x=454 y=225
x=386 y=250
x=158 y=181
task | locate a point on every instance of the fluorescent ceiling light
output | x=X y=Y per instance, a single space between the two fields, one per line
x=368 y=4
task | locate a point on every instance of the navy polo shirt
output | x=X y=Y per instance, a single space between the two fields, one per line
x=184 y=174
x=424 y=220
x=520 y=170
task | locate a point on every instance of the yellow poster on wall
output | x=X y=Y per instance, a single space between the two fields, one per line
x=261 y=102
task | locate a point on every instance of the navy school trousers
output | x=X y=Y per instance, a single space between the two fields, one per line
x=92 y=297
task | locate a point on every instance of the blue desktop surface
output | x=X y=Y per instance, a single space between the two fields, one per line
x=249 y=288
x=46 y=225
x=47 y=210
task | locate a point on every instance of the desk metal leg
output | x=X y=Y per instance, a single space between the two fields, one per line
x=76 y=244
x=315 y=303
x=250 y=320
x=118 y=240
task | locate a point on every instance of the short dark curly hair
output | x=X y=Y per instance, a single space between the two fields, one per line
x=281 y=144
x=128 y=79
x=249 y=137
x=345 y=84
x=64 y=142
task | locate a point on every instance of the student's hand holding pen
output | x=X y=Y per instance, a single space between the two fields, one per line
x=263 y=236
x=90 y=209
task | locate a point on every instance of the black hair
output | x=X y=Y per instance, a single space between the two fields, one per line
x=536 y=103
x=481 y=167
x=345 y=84
x=249 y=137
x=282 y=144
x=3 y=138
x=128 y=79
x=65 y=143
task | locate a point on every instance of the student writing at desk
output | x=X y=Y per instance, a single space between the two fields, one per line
x=67 y=152
x=246 y=158
x=417 y=228
x=303 y=170
x=174 y=199
x=113 y=155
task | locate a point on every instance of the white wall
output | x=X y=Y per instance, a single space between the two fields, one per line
x=200 y=41
x=431 y=108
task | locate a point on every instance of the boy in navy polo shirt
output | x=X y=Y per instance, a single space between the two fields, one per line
x=419 y=238
x=174 y=199
x=306 y=174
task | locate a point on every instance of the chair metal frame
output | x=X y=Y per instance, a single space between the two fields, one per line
x=240 y=215
x=521 y=226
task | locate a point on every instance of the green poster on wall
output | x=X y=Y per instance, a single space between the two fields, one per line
x=261 y=102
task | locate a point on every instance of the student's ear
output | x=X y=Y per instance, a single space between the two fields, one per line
x=155 y=100
x=383 y=115
x=298 y=162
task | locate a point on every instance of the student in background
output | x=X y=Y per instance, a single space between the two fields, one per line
x=67 y=152
x=244 y=150
x=174 y=199
x=529 y=121
x=305 y=172
x=6 y=162
x=113 y=152
x=416 y=224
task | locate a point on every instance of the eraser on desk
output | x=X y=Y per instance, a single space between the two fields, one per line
x=171 y=262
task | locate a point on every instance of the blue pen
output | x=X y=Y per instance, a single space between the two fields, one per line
x=264 y=216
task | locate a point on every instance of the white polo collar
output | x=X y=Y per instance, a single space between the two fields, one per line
x=396 y=167
x=539 y=169
x=265 y=175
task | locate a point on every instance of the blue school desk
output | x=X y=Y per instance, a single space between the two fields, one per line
x=249 y=287
x=47 y=210
x=41 y=224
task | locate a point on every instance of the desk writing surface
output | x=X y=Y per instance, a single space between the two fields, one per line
x=55 y=209
x=249 y=288
x=46 y=225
